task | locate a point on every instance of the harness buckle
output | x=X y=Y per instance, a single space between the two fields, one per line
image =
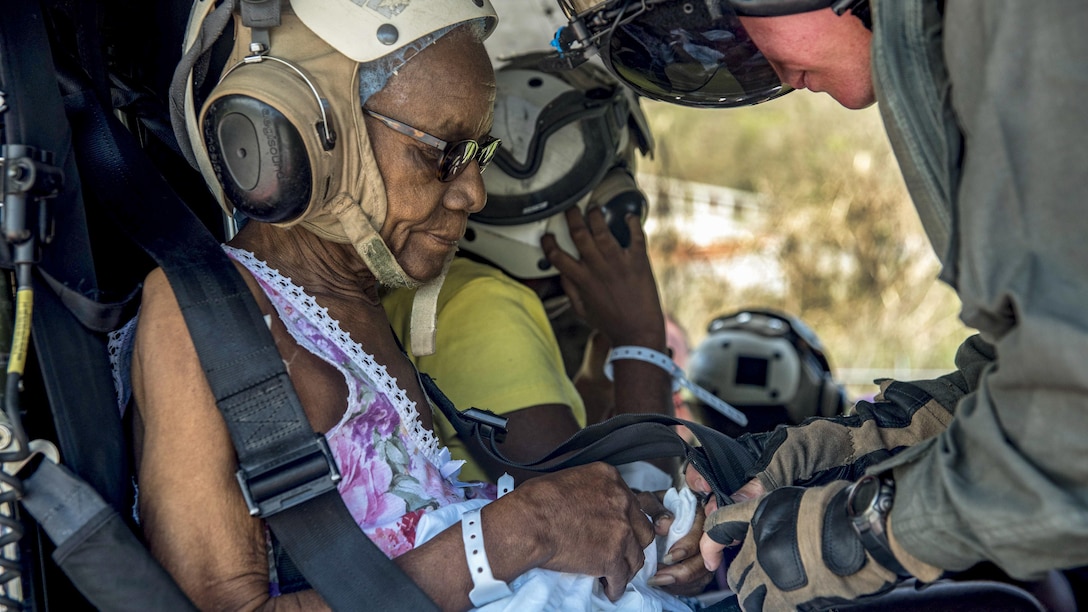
x=291 y=480
x=490 y=424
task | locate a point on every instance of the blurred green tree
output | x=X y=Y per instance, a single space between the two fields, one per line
x=841 y=243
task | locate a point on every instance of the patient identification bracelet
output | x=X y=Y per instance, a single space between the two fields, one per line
x=663 y=361
x=485 y=588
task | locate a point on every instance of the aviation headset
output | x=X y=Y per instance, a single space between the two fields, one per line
x=688 y=52
x=281 y=135
x=769 y=365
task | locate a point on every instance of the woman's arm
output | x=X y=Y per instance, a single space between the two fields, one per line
x=197 y=525
x=581 y=520
x=191 y=508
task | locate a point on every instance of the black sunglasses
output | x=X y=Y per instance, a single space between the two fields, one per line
x=455 y=156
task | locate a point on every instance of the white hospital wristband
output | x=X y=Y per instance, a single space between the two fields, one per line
x=485 y=588
x=663 y=361
x=641 y=353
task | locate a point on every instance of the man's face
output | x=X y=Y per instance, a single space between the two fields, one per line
x=818 y=51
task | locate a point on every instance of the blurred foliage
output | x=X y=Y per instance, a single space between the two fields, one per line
x=852 y=259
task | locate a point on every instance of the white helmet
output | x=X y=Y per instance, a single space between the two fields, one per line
x=568 y=138
x=769 y=365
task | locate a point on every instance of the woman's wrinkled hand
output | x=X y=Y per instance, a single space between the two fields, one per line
x=583 y=520
x=681 y=570
x=611 y=287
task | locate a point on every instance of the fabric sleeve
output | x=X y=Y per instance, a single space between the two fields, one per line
x=1007 y=481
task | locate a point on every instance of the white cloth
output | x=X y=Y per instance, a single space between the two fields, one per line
x=541 y=589
x=644 y=476
x=683 y=505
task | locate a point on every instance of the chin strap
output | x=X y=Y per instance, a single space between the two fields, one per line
x=858 y=8
x=193 y=68
x=425 y=313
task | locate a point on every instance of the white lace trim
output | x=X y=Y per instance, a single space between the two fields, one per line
x=424 y=438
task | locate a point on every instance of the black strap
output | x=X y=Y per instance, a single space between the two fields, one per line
x=725 y=463
x=95 y=315
x=195 y=60
x=94 y=547
x=97 y=552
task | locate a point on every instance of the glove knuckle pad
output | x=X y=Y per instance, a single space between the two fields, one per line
x=754 y=600
x=774 y=528
x=839 y=544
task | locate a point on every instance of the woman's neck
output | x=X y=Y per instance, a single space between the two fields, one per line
x=320 y=266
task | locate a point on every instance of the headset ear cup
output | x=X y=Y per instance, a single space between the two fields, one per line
x=259 y=158
x=269 y=141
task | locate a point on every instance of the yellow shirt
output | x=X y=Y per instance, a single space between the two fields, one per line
x=495 y=349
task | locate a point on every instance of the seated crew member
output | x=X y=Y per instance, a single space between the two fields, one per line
x=766 y=364
x=568 y=147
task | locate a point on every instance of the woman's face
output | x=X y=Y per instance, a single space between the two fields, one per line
x=818 y=51
x=447 y=91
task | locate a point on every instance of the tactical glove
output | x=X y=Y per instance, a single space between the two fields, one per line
x=801 y=551
x=823 y=450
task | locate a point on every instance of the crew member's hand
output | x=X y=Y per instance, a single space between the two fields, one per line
x=822 y=450
x=681 y=570
x=583 y=520
x=798 y=548
x=611 y=287
x=753 y=489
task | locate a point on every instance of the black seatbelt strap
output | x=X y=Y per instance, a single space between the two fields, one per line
x=286 y=472
x=724 y=462
x=93 y=543
x=93 y=314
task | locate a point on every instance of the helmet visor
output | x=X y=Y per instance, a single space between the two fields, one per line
x=689 y=53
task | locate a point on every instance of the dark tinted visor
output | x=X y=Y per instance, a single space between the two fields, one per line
x=690 y=53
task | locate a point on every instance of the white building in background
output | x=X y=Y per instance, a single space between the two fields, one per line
x=705 y=214
x=714 y=220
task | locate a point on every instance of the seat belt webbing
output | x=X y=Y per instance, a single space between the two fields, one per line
x=97 y=552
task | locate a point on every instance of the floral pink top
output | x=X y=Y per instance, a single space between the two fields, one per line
x=392 y=468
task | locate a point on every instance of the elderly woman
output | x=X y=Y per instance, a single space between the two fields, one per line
x=392 y=214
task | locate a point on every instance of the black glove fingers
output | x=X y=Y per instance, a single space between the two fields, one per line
x=754 y=601
x=727 y=532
